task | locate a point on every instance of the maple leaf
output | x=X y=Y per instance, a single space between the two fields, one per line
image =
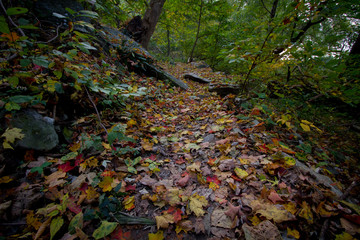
x=195 y=167
x=118 y=234
x=91 y=193
x=10 y=136
x=129 y=203
x=163 y=221
x=182 y=182
x=176 y=212
x=172 y=196
x=233 y=211
x=156 y=236
x=196 y=203
x=105 y=184
x=293 y=233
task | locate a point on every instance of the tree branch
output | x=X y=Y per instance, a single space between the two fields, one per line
x=97 y=112
x=262 y=1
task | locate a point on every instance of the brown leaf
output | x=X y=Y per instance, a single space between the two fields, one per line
x=274 y=197
x=232 y=211
x=42 y=228
x=220 y=219
x=182 y=182
x=265 y=230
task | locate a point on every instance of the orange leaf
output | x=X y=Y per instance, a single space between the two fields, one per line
x=11 y=36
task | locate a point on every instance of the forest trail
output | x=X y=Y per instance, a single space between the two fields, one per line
x=205 y=169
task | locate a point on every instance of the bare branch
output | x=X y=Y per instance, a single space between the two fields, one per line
x=11 y=21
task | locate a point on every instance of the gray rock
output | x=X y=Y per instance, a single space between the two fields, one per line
x=39 y=134
x=209 y=138
x=319 y=178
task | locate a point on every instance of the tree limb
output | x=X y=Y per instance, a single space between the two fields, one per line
x=97 y=112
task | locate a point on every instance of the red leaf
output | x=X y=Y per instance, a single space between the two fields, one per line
x=118 y=234
x=72 y=206
x=176 y=212
x=130 y=188
x=353 y=218
x=66 y=167
x=213 y=179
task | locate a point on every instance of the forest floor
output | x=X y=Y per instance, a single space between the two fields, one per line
x=206 y=169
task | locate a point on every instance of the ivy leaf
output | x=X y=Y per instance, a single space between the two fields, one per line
x=55 y=226
x=105 y=229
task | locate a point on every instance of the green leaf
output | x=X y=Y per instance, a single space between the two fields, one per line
x=16 y=10
x=4 y=28
x=12 y=106
x=40 y=169
x=132 y=170
x=69 y=156
x=25 y=62
x=41 y=61
x=58 y=15
x=90 y=14
x=58 y=74
x=14 y=81
x=72 y=12
x=105 y=229
x=55 y=226
x=21 y=99
x=30 y=26
x=77 y=221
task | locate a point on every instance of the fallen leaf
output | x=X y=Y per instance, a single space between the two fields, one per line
x=241 y=173
x=232 y=211
x=293 y=233
x=220 y=219
x=184 y=225
x=156 y=236
x=105 y=184
x=164 y=220
x=55 y=226
x=274 y=197
x=105 y=229
x=195 y=167
x=129 y=203
x=265 y=230
x=182 y=182
x=306 y=213
x=196 y=203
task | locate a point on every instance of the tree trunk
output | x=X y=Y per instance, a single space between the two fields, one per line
x=168 y=42
x=150 y=19
x=197 y=33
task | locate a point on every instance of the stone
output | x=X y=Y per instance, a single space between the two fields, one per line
x=39 y=134
x=196 y=78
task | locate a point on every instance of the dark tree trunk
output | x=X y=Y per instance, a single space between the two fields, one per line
x=197 y=33
x=168 y=42
x=355 y=49
x=149 y=21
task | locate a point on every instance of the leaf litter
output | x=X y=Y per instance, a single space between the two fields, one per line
x=199 y=167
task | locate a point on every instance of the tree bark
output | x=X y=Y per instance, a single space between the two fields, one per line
x=168 y=42
x=150 y=19
x=197 y=33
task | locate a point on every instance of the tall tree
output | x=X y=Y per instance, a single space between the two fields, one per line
x=149 y=21
x=197 y=32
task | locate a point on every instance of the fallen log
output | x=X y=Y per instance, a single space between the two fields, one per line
x=196 y=78
x=225 y=89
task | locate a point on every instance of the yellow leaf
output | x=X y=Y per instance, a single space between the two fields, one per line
x=306 y=213
x=32 y=220
x=91 y=193
x=213 y=186
x=290 y=207
x=156 y=236
x=5 y=179
x=195 y=167
x=129 y=202
x=131 y=122
x=305 y=127
x=172 y=196
x=106 y=146
x=11 y=134
x=75 y=147
x=241 y=173
x=164 y=220
x=105 y=184
x=293 y=233
x=148 y=146
x=255 y=220
x=344 y=236
x=196 y=203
